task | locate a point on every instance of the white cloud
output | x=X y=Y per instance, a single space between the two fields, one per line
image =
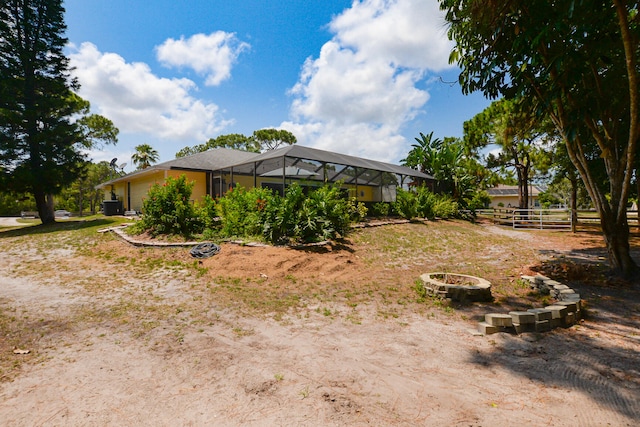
x=138 y=101
x=364 y=86
x=211 y=55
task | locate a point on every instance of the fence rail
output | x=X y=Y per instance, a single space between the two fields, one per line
x=548 y=219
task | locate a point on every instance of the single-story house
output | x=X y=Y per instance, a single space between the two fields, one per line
x=216 y=171
x=506 y=196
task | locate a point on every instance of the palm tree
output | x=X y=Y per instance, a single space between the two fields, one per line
x=144 y=156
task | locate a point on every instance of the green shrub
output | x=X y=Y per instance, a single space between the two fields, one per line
x=324 y=214
x=406 y=204
x=168 y=209
x=380 y=209
x=480 y=200
x=445 y=207
x=207 y=211
x=242 y=212
x=425 y=201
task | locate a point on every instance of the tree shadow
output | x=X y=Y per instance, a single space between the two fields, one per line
x=40 y=229
x=575 y=360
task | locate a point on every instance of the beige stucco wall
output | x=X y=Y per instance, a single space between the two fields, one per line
x=140 y=185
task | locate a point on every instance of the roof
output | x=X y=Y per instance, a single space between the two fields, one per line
x=308 y=153
x=512 y=190
x=214 y=159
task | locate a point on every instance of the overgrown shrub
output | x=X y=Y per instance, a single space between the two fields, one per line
x=480 y=200
x=425 y=201
x=242 y=211
x=406 y=204
x=445 y=207
x=323 y=214
x=380 y=209
x=422 y=203
x=168 y=209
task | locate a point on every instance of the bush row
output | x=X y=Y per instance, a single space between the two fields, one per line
x=322 y=214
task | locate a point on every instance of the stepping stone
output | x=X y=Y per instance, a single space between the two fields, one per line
x=558 y=311
x=498 y=319
x=487 y=329
x=541 y=314
x=540 y=278
x=570 y=320
x=524 y=327
x=521 y=317
x=543 y=326
x=572 y=306
x=569 y=297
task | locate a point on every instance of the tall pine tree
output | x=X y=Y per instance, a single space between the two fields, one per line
x=40 y=143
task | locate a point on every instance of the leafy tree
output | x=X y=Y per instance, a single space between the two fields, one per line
x=521 y=136
x=577 y=61
x=41 y=143
x=83 y=194
x=445 y=160
x=270 y=139
x=235 y=141
x=144 y=156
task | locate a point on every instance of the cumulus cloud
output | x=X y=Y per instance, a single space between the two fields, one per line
x=364 y=86
x=210 y=55
x=138 y=101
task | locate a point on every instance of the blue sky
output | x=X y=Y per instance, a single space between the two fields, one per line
x=361 y=78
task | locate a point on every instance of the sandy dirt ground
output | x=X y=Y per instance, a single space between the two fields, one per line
x=331 y=364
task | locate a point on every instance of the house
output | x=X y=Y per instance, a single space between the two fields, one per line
x=220 y=169
x=506 y=196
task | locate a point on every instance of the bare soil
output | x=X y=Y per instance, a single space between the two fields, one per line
x=325 y=335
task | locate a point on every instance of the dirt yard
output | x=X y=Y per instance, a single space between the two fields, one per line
x=326 y=335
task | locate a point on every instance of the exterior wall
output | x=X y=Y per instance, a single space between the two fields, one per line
x=510 y=201
x=132 y=192
x=199 y=179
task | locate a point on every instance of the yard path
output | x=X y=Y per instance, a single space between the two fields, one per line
x=100 y=357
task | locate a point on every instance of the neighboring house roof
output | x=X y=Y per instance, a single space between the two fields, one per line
x=214 y=159
x=512 y=190
x=308 y=153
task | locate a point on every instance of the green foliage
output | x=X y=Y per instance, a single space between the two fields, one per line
x=406 y=204
x=445 y=207
x=270 y=139
x=168 y=209
x=575 y=62
x=323 y=214
x=14 y=204
x=243 y=211
x=425 y=201
x=422 y=203
x=43 y=133
x=144 y=156
x=480 y=200
x=381 y=209
x=235 y=141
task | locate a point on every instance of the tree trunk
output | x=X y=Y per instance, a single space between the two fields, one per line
x=574 y=201
x=44 y=203
x=616 y=236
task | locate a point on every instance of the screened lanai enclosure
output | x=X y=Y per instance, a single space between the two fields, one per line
x=366 y=180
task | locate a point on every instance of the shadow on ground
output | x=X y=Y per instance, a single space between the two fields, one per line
x=57 y=226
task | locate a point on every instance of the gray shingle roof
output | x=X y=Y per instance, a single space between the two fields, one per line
x=214 y=159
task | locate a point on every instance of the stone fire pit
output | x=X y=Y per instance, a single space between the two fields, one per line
x=457 y=287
